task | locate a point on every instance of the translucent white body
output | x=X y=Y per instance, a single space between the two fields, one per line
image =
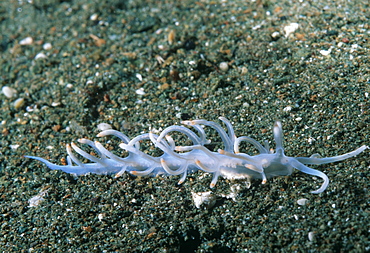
x=180 y=160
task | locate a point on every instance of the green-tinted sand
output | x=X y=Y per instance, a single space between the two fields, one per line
x=142 y=64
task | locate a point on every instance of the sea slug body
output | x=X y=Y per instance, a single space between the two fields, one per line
x=229 y=162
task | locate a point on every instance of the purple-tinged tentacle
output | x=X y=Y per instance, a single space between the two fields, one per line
x=316 y=160
x=252 y=141
x=301 y=167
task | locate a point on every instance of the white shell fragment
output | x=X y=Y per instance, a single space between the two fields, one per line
x=140 y=91
x=8 y=91
x=36 y=200
x=203 y=198
x=287 y=109
x=325 y=52
x=302 y=202
x=14 y=147
x=47 y=46
x=275 y=35
x=104 y=126
x=139 y=76
x=40 y=56
x=311 y=236
x=94 y=17
x=26 y=41
x=291 y=28
x=100 y=216
x=235 y=189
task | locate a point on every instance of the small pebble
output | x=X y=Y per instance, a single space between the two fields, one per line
x=171 y=37
x=224 y=66
x=18 y=103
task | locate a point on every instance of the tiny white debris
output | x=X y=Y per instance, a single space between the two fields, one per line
x=325 y=52
x=366 y=94
x=287 y=109
x=275 y=35
x=8 y=91
x=159 y=59
x=311 y=140
x=140 y=91
x=36 y=200
x=256 y=27
x=26 y=41
x=203 y=198
x=302 y=202
x=155 y=130
x=159 y=31
x=100 y=216
x=298 y=119
x=139 y=76
x=311 y=236
x=104 y=126
x=89 y=82
x=55 y=104
x=14 y=147
x=291 y=28
x=234 y=192
x=40 y=56
x=47 y=46
x=94 y=17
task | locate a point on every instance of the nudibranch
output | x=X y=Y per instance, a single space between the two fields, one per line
x=229 y=162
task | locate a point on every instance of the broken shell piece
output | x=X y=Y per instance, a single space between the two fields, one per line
x=302 y=202
x=26 y=41
x=203 y=198
x=9 y=92
x=36 y=200
x=291 y=28
x=40 y=56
